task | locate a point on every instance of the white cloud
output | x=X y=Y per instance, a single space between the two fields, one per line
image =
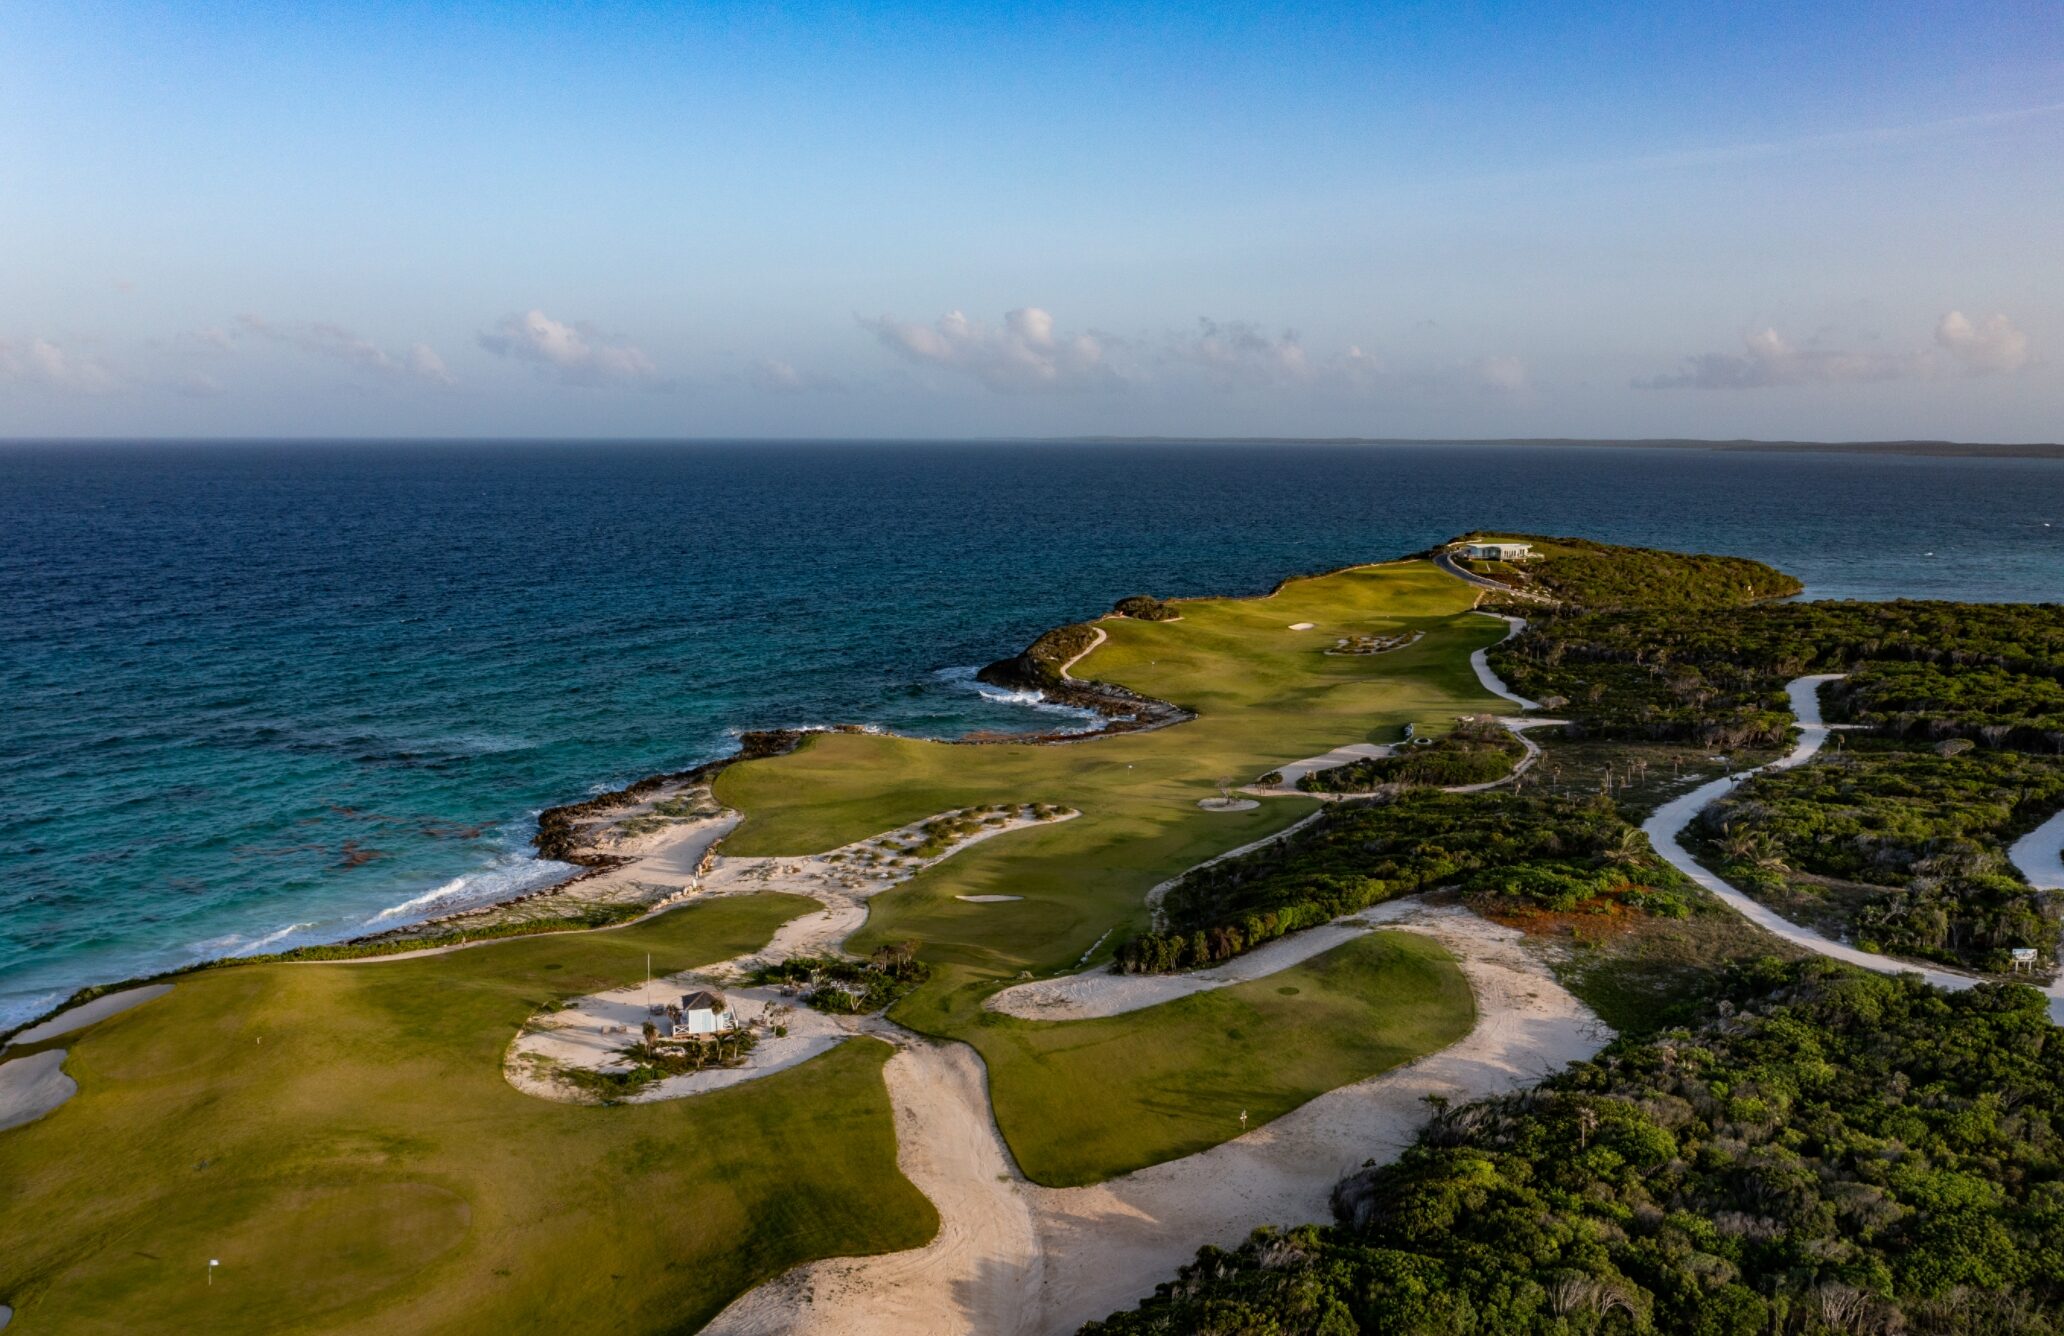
x=1023 y=353
x=50 y=365
x=779 y=377
x=1509 y=375
x=580 y=353
x=1991 y=345
x=1769 y=359
x=322 y=339
x=1237 y=352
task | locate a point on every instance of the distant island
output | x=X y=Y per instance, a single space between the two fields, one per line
x=1931 y=449
x=1530 y=874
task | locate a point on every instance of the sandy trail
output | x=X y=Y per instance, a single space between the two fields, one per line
x=1014 y=1257
x=1105 y=1247
x=1671 y=819
x=2040 y=855
x=1155 y=893
x=1087 y=650
x=1286 y=787
x=1311 y=765
x=1480 y=660
x=31 y=1087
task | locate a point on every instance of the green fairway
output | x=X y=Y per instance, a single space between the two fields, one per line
x=1172 y=1080
x=1264 y=695
x=340 y=1137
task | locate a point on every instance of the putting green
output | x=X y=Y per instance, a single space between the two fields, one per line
x=340 y=1138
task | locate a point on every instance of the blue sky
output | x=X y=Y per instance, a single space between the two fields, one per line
x=1831 y=221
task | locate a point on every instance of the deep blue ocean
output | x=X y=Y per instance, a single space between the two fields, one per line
x=258 y=695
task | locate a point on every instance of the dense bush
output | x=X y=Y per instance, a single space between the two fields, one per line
x=1834 y=1152
x=1474 y=752
x=1592 y=575
x=1992 y=672
x=1556 y=853
x=1930 y=828
x=1145 y=608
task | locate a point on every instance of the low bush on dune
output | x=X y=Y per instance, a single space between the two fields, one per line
x=843 y=986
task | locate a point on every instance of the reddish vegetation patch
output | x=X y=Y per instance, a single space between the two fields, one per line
x=1599 y=917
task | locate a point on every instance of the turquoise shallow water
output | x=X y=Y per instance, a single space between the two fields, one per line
x=259 y=695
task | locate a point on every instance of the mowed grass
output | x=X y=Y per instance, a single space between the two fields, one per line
x=341 y=1138
x=1172 y=1080
x=1264 y=695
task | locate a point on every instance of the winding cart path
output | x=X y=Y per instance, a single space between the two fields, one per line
x=2043 y=867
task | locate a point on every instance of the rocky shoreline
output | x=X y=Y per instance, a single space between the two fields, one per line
x=565 y=832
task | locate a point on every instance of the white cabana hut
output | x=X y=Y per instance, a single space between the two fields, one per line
x=703 y=1012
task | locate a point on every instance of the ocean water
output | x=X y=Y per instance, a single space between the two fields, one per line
x=260 y=695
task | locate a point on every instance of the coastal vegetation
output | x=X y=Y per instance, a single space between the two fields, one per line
x=1477 y=750
x=1174 y=1079
x=1830 y=1151
x=1901 y=848
x=342 y=1139
x=1555 y=853
x=1992 y=673
x=1605 y=577
x=1146 y=608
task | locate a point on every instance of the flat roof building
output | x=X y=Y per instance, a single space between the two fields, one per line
x=1498 y=549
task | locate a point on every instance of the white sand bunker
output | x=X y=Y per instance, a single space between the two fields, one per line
x=591 y=1034
x=1014 y=1258
x=1227 y=804
x=31 y=1087
x=1301 y=626
x=987 y=899
x=86 y=1013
